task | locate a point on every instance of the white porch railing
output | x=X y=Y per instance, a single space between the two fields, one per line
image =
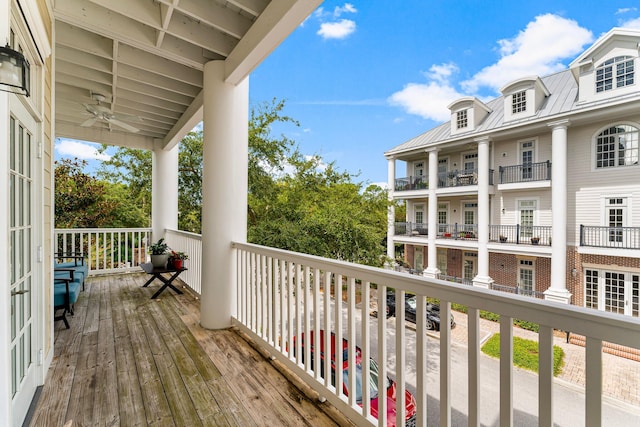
x=191 y=244
x=283 y=294
x=108 y=250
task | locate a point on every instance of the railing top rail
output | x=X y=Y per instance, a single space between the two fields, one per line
x=600 y=325
x=189 y=234
x=105 y=229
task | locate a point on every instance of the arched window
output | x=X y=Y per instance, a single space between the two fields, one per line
x=614 y=73
x=617 y=146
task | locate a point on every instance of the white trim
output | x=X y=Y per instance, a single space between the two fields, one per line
x=627 y=206
x=519 y=150
x=536 y=211
x=37 y=28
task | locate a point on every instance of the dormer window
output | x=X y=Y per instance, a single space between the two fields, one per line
x=461 y=119
x=614 y=73
x=519 y=102
x=523 y=98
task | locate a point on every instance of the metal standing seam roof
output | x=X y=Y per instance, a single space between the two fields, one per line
x=563 y=98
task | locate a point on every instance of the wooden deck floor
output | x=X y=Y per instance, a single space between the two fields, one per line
x=132 y=361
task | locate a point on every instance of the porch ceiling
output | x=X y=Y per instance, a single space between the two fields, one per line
x=146 y=57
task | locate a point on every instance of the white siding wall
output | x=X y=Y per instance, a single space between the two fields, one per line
x=587 y=186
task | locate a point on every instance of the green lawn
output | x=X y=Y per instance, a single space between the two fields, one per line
x=525 y=353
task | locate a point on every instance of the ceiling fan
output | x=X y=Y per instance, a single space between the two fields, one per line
x=102 y=113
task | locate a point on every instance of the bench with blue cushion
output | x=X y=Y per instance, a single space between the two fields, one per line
x=72 y=261
x=66 y=288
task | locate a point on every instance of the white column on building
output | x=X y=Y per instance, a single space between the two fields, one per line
x=482 y=279
x=432 y=217
x=164 y=194
x=224 y=192
x=391 y=212
x=558 y=290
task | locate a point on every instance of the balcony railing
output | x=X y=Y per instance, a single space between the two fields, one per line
x=455 y=279
x=521 y=234
x=458 y=178
x=410 y=229
x=411 y=183
x=525 y=173
x=514 y=234
x=610 y=237
x=281 y=295
x=458 y=231
x=518 y=290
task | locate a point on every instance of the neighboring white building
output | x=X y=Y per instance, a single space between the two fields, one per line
x=538 y=188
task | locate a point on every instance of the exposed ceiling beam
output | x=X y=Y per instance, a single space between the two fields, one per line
x=187 y=122
x=104 y=136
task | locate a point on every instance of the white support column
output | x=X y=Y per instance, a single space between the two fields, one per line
x=164 y=198
x=432 y=217
x=224 y=192
x=391 y=211
x=482 y=279
x=558 y=291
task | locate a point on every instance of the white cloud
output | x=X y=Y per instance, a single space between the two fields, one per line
x=81 y=150
x=347 y=8
x=537 y=50
x=337 y=30
x=331 y=27
x=631 y=24
x=623 y=10
x=429 y=100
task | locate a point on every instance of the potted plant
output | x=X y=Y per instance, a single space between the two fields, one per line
x=503 y=238
x=178 y=258
x=535 y=240
x=159 y=253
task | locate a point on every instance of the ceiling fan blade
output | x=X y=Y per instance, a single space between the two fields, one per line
x=123 y=125
x=88 y=122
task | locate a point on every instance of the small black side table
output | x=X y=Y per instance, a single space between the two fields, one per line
x=157 y=273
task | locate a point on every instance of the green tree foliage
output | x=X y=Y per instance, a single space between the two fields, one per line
x=313 y=208
x=320 y=211
x=132 y=168
x=190 y=182
x=83 y=201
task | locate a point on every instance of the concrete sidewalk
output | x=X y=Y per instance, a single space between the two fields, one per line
x=621 y=376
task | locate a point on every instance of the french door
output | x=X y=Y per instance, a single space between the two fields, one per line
x=24 y=317
x=613 y=291
x=526 y=157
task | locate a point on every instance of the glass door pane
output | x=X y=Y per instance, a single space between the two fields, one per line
x=526 y=155
x=614 y=292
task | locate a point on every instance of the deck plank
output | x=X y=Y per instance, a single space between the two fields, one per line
x=130 y=402
x=129 y=360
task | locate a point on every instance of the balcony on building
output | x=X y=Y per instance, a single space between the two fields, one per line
x=524 y=176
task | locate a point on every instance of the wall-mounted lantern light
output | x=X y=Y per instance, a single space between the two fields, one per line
x=14 y=71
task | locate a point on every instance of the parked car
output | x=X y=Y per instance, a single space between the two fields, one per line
x=433 y=311
x=410 y=401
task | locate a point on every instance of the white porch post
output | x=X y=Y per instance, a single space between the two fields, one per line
x=391 y=211
x=558 y=290
x=224 y=192
x=432 y=217
x=164 y=192
x=482 y=279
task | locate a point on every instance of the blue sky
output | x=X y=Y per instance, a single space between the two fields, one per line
x=364 y=76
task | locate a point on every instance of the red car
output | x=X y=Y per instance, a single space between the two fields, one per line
x=410 y=402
